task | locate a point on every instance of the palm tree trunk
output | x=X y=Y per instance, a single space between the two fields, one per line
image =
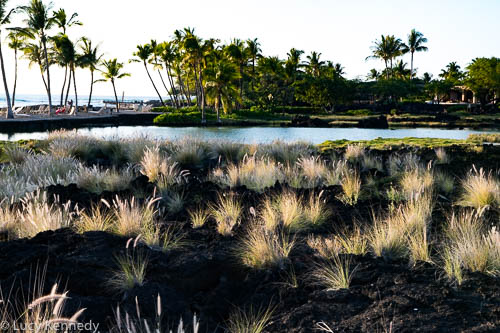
x=76 y=94
x=411 y=69
x=116 y=97
x=386 y=70
x=48 y=72
x=15 y=79
x=10 y=114
x=43 y=79
x=164 y=85
x=67 y=91
x=171 y=82
x=217 y=107
x=154 y=85
x=64 y=84
x=202 y=92
x=91 y=87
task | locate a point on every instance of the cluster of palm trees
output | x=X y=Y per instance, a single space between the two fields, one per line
x=36 y=43
x=224 y=75
x=389 y=48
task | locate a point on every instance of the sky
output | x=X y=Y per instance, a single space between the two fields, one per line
x=341 y=30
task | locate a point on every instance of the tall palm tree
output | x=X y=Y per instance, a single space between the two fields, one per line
x=63 y=23
x=194 y=57
x=400 y=70
x=143 y=54
x=67 y=54
x=236 y=52
x=416 y=41
x=253 y=51
x=220 y=82
x=16 y=43
x=5 y=19
x=158 y=65
x=167 y=53
x=387 y=49
x=34 y=54
x=373 y=74
x=314 y=63
x=292 y=64
x=90 y=58
x=452 y=72
x=38 y=21
x=112 y=71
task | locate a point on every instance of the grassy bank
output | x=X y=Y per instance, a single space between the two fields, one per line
x=350 y=118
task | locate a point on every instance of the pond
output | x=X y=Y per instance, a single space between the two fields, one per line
x=259 y=134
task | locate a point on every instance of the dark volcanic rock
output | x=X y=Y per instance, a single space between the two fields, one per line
x=376 y=122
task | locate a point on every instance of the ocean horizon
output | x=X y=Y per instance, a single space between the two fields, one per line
x=35 y=99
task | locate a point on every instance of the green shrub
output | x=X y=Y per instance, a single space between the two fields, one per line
x=164 y=109
x=456 y=108
x=360 y=112
x=394 y=112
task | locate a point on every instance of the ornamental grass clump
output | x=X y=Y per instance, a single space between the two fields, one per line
x=45 y=170
x=249 y=321
x=315 y=211
x=38 y=215
x=354 y=153
x=198 y=217
x=352 y=242
x=472 y=244
x=131 y=267
x=441 y=156
x=97 y=180
x=154 y=163
x=127 y=323
x=387 y=238
x=261 y=248
x=255 y=173
x=334 y=273
x=351 y=186
x=226 y=213
x=44 y=313
x=480 y=189
x=133 y=218
x=313 y=170
x=16 y=154
x=416 y=181
x=98 y=218
x=336 y=172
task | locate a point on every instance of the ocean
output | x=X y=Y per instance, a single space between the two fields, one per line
x=23 y=99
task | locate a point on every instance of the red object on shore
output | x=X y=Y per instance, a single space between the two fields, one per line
x=59 y=110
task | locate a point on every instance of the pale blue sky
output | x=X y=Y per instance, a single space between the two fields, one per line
x=342 y=31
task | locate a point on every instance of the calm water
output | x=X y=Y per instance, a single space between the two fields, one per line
x=25 y=99
x=259 y=134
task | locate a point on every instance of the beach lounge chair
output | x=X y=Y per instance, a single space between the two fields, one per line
x=72 y=112
x=147 y=108
x=102 y=110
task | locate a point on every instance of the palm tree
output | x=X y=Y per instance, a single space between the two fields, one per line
x=16 y=43
x=373 y=74
x=416 y=40
x=314 y=64
x=452 y=72
x=157 y=64
x=386 y=49
x=143 y=54
x=112 y=72
x=66 y=52
x=167 y=53
x=292 y=64
x=34 y=54
x=90 y=58
x=5 y=19
x=427 y=77
x=194 y=58
x=236 y=53
x=253 y=52
x=400 y=70
x=38 y=22
x=220 y=82
x=62 y=22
